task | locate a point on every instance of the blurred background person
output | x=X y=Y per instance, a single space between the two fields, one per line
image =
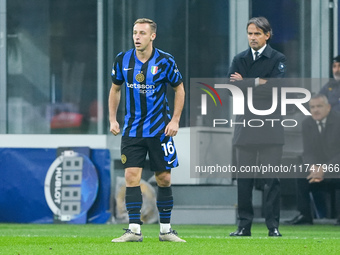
x=321 y=140
x=332 y=88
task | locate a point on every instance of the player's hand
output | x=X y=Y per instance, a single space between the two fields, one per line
x=114 y=127
x=172 y=128
x=236 y=77
x=262 y=81
x=316 y=175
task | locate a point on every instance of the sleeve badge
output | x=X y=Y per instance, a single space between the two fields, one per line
x=282 y=67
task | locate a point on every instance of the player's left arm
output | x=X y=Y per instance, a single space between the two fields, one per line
x=172 y=128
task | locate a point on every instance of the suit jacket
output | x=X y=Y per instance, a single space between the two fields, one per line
x=271 y=66
x=322 y=149
x=332 y=91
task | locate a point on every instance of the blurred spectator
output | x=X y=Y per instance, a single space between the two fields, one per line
x=332 y=88
x=321 y=152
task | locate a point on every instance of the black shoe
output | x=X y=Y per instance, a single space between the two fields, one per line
x=241 y=232
x=274 y=232
x=300 y=220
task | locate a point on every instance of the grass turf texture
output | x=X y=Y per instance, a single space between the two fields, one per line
x=201 y=239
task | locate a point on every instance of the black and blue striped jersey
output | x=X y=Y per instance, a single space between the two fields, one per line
x=147 y=110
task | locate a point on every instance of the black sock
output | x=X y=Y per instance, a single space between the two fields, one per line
x=165 y=204
x=133 y=201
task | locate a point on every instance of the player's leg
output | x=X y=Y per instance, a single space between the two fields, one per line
x=133 y=198
x=163 y=157
x=133 y=201
x=133 y=158
x=165 y=200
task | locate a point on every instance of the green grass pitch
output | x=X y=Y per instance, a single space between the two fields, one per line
x=201 y=239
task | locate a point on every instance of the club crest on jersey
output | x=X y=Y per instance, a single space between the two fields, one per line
x=140 y=77
x=154 y=69
x=123 y=158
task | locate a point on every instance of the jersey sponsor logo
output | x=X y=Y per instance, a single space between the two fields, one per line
x=127 y=69
x=143 y=88
x=154 y=69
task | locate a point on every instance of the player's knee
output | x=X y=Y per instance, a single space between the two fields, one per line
x=163 y=179
x=132 y=178
x=132 y=183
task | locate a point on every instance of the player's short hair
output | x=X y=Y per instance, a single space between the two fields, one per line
x=262 y=23
x=152 y=24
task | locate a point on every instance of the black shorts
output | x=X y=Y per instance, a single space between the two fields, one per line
x=161 y=150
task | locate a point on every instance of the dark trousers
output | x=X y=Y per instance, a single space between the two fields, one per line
x=303 y=194
x=303 y=198
x=252 y=156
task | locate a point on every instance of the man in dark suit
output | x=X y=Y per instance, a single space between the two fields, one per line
x=332 y=88
x=321 y=151
x=259 y=67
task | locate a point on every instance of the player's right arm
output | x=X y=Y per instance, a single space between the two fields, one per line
x=114 y=99
x=115 y=94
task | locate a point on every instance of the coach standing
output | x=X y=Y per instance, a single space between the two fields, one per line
x=255 y=68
